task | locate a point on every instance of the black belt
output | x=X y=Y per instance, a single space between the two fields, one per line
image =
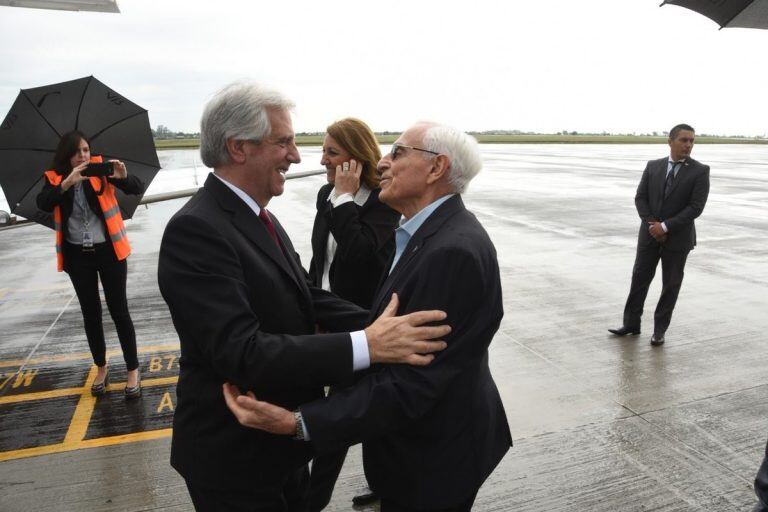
x=87 y=249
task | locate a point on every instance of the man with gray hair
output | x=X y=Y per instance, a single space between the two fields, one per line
x=244 y=314
x=431 y=435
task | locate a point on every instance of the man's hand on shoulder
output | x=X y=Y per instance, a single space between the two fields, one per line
x=405 y=339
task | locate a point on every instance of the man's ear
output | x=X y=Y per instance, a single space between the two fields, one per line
x=236 y=150
x=440 y=168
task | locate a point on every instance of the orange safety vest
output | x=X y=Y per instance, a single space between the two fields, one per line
x=105 y=192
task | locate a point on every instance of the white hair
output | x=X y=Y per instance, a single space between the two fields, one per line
x=237 y=111
x=461 y=149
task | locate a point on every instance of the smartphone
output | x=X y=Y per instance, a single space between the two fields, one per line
x=103 y=169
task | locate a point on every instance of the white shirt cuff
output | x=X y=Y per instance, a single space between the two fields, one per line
x=664 y=227
x=343 y=198
x=361 y=359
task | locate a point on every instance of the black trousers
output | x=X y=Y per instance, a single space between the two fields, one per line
x=85 y=268
x=325 y=471
x=289 y=494
x=761 y=485
x=672 y=271
x=388 y=505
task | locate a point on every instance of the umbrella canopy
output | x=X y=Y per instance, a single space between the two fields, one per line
x=116 y=127
x=730 y=13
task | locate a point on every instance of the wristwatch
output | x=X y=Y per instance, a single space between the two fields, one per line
x=299 y=436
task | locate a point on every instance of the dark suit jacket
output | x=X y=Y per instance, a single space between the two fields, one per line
x=365 y=238
x=431 y=435
x=686 y=202
x=243 y=313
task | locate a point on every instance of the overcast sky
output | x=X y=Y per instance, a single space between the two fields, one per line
x=545 y=66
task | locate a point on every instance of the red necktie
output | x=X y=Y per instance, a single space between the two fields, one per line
x=264 y=216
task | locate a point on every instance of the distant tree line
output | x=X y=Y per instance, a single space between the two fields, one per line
x=162 y=132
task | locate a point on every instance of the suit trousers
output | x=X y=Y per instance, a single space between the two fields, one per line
x=672 y=271
x=325 y=471
x=288 y=494
x=761 y=485
x=388 y=505
x=84 y=269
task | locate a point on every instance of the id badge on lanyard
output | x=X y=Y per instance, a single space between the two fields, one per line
x=87 y=240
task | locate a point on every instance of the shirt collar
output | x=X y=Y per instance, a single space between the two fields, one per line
x=242 y=195
x=414 y=223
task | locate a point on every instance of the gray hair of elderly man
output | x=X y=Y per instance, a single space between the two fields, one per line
x=461 y=149
x=237 y=111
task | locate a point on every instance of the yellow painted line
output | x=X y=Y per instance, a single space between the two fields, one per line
x=82 y=417
x=41 y=395
x=90 y=443
x=58 y=393
x=148 y=383
x=85 y=355
x=127 y=438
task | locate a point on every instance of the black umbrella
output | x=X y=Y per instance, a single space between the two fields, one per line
x=729 y=13
x=116 y=127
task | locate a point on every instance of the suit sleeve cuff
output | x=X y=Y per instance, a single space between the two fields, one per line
x=361 y=359
x=664 y=227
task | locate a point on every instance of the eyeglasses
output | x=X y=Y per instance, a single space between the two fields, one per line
x=397 y=147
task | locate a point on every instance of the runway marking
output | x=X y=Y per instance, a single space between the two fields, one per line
x=78 y=426
x=85 y=355
x=79 y=419
x=89 y=443
x=58 y=393
x=42 y=395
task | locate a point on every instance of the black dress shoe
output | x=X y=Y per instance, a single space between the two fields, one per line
x=623 y=331
x=657 y=339
x=365 y=498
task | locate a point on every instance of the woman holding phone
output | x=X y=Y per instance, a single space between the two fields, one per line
x=353 y=238
x=91 y=244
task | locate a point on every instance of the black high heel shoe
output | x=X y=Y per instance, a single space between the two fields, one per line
x=133 y=392
x=101 y=388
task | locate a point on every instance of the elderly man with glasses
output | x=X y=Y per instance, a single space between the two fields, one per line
x=431 y=435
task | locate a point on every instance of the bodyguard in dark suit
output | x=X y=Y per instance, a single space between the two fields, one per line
x=244 y=314
x=671 y=194
x=430 y=436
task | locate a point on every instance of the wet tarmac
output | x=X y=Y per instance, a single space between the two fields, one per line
x=600 y=423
